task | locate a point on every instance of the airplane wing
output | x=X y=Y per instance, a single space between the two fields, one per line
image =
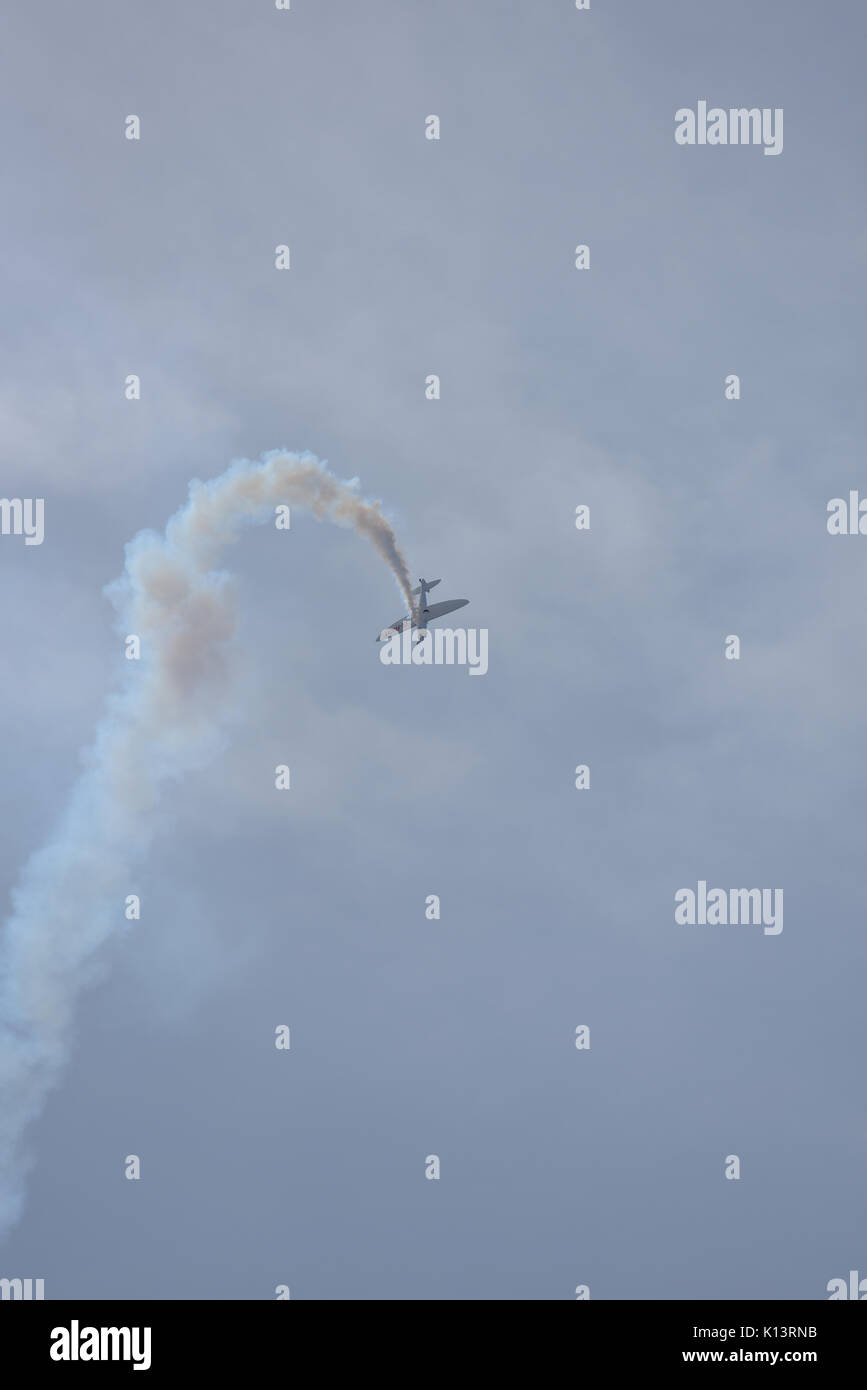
x=439 y=610
x=396 y=626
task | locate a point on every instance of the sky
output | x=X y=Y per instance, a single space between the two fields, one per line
x=603 y=1167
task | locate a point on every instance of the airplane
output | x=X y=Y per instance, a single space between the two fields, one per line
x=424 y=613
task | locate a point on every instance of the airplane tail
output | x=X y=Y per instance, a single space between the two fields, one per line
x=428 y=584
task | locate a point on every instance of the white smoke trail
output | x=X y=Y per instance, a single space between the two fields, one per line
x=70 y=896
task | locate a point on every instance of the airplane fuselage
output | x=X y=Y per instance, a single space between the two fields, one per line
x=425 y=613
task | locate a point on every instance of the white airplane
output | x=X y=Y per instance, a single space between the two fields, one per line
x=425 y=613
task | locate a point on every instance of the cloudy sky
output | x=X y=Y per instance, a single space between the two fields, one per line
x=410 y=1037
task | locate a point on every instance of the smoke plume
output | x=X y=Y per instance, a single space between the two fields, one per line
x=168 y=720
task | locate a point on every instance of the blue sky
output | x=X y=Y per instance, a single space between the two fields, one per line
x=559 y=387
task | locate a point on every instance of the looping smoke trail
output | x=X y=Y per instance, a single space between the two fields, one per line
x=70 y=895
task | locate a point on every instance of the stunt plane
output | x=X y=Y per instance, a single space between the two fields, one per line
x=424 y=613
